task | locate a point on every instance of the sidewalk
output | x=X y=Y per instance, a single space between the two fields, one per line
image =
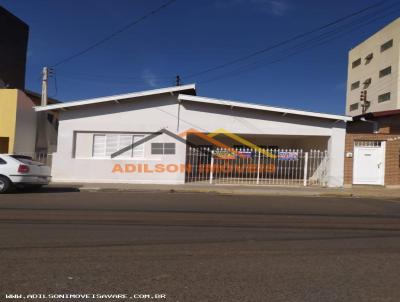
x=360 y=191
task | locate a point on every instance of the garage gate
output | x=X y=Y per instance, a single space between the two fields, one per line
x=256 y=166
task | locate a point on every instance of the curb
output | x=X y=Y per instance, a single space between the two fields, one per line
x=219 y=192
x=228 y=191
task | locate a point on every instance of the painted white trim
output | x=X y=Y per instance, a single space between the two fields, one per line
x=184 y=97
x=113 y=98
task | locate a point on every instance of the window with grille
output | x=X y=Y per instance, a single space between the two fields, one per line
x=368 y=143
x=162 y=148
x=384 y=97
x=386 y=71
x=354 y=106
x=104 y=145
x=386 y=45
x=356 y=63
x=355 y=85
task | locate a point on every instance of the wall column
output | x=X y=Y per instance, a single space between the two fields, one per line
x=335 y=173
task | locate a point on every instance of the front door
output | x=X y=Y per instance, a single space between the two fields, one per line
x=369 y=163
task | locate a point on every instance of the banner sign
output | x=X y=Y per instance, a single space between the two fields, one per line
x=223 y=154
x=288 y=155
x=245 y=154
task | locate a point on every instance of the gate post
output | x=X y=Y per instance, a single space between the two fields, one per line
x=258 y=167
x=305 y=168
x=211 y=167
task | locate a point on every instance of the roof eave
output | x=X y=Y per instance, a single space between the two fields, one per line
x=285 y=111
x=114 y=98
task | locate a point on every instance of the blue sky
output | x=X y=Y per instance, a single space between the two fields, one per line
x=190 y=36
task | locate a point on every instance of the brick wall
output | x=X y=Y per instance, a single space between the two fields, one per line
x=392 y=170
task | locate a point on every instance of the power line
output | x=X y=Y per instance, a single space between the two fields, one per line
x=308 y=44
x=112 y=76
x=111 y=36
x=284 y=42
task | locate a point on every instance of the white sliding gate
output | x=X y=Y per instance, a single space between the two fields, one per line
x=261 y=166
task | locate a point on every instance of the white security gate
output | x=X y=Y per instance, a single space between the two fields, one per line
x=261 y=166
x=369 y=163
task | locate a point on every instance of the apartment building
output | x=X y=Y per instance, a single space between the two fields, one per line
x=13 y=48
x=373 y=73
x=372 y=148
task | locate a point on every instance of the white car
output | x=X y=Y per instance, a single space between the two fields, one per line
x=21 y=171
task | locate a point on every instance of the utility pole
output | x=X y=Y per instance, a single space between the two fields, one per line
x=45 y=77
x=178 y=80
x=42 y=142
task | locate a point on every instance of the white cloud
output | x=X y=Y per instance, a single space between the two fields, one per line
x=273 y=7
x=149 y=78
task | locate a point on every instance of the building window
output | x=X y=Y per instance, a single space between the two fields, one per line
x=162 y=148
x=386 y=71
x=353 y=106
x=356 y=63
x=355 y=85
x=104 y=145
x=387 y=45
x=384 y=97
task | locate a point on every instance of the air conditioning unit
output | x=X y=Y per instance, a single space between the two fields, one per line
x=369 y=57
x=367 y=81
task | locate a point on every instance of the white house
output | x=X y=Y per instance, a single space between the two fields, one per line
x=91 y=132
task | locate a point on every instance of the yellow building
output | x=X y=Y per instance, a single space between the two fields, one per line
x=17 y=122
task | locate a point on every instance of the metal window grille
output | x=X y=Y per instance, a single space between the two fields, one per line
x=367 y=143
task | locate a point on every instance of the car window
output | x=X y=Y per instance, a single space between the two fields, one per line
x=2 y=161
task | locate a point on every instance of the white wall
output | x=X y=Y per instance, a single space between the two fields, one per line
x=128 y=117
x=150 y=114
x=336 y=143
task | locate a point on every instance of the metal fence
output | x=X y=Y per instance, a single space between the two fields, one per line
x=261 y=166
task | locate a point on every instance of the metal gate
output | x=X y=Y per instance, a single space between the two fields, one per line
x=261 y=166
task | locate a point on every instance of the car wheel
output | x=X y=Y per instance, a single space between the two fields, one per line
x=5 y=184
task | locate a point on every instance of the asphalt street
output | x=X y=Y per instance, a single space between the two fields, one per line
x=198 y=247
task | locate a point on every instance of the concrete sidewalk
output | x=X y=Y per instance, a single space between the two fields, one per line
x=359 y=191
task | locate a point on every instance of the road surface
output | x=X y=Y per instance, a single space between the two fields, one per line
x=198 y=247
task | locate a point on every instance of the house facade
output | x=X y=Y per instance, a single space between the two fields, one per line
x=94 y=135
x=19 y=132
x=373 y=149
x=17 y=122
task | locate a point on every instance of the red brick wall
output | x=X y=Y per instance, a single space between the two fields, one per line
x=392 y=170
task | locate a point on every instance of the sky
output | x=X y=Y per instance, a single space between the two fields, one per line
x=190 y=36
